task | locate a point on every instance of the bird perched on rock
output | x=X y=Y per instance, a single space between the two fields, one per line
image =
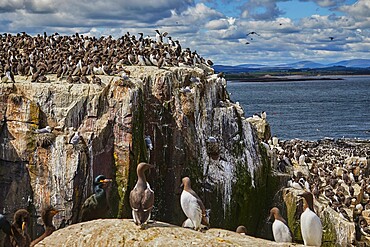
x=142 y=197
x=47 y=129
x=96 y=206
x=241 y=230
x=75 y=138
x=148 y=142
x=364 y=228
x=280 y=228
x=149 y=145
x=192 y=205
x=17 y=234
x=189 y=224
x=47 y=215
x=311 y=227
x=10 y=75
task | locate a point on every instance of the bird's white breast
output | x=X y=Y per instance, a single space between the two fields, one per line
x=311 y=228
x=190 y=206
x=281 y=232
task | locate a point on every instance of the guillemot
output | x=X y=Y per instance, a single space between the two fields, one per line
x=280 y=227
x=311 y=227
x=192 y=205
x=142 y=197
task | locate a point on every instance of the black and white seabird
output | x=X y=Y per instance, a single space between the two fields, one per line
x=47 y=129
x=142 y=197
x=311 y=227
x=148 y=142
x=192 y=205
x=96 y=206
x=47 y=215
x=75 y=138
x=280 y=228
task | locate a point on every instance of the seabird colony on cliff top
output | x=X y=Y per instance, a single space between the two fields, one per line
x=77 y=56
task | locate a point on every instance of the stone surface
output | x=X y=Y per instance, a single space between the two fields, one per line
x=123 y=232
x=232 y=177
x=336 y=230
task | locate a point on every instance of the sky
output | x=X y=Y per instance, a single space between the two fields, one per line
x=229 y=32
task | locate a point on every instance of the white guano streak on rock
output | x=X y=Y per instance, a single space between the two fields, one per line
x=62 y=181
x=250 y=150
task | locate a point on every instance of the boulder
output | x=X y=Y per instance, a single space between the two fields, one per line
x=123 y=232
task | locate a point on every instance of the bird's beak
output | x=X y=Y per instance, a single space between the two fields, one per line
x=24 y=227
x=182 y=185
x=107 y=180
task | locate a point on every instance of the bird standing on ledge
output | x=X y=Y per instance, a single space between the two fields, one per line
x=193 y=206
x=280 y=228
x=311 y=226
x=16 y=234
x=47 y=215
x=142 y=197
x=96 y=206
x=241 y=230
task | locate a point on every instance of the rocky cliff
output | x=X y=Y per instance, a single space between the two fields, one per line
x=195 y=129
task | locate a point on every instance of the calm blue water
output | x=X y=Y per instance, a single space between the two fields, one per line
x=309 y=110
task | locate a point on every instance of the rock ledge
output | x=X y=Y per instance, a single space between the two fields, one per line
x=123 y=232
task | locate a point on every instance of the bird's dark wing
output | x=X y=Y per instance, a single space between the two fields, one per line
x=88 y=208
x=202 y=207
x=4 y=224
x=148 y=199
x=16 y=237
x=135 y=199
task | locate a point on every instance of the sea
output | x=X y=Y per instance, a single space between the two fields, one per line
x=309 y=110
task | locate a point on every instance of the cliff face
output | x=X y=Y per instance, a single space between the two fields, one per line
x=197 y=133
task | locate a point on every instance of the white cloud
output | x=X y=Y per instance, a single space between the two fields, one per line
x=326 y=3
x=359 y=10
x=217 y=24
x=216 y=33
x=261 y=10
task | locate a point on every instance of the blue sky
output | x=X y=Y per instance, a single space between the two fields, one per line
x=285 y=31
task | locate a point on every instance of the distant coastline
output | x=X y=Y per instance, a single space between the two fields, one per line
x=283 y=78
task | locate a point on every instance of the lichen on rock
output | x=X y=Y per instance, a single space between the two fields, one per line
x=112 y=119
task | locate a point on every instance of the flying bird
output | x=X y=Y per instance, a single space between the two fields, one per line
x=331 y=38
x=96 y=206
x=159 y=36
x=142 y=197
x=250 y=33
